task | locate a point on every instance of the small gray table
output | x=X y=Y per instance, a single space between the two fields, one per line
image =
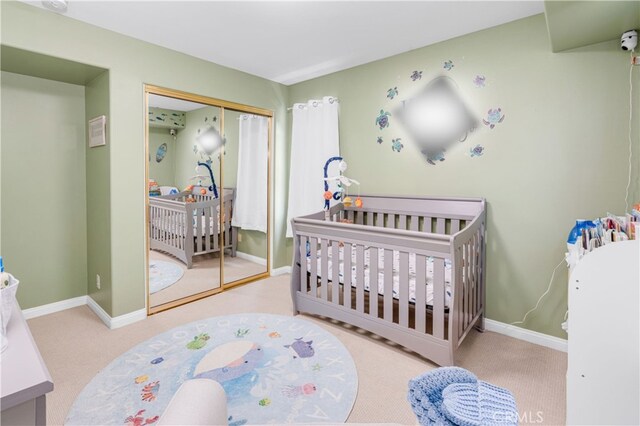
x=25 y=379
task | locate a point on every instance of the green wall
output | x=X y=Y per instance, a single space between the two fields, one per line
x=44 y=228
x=98 y=193
x=560 y=154
x=131 y=64
x=163 y=172
x=186 y=159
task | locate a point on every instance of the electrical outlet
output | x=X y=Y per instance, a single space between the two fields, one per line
x=239 y=237
x=98 y=281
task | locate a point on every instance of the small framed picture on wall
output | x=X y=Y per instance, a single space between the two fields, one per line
x=98 y=131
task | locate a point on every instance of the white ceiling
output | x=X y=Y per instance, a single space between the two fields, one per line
x=173 y=104
x=289 y=42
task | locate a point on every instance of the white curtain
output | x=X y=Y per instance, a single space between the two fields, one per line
x=251 y=188
x=314 y=139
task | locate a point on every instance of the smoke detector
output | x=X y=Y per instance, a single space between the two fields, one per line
x=59 y=6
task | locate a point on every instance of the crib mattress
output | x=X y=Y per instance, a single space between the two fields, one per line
x=396 y=273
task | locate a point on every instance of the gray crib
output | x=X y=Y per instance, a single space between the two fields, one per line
x=186 y=229
x=424 y=256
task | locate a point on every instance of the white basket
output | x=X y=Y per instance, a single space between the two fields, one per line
x=7 y=298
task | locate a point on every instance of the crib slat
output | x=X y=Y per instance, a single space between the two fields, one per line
x=404 y=289
x=440 y=225
x=207 y=229
x=478 y=269
x=421 y=289
x=391 y=221
x=467 y=279
x=303 y=264
x=360 y=278
x=373 y=281
x=347 y=275
x=335 y=272
x=402 y=222
x=427 y=226
x=313 y=279
x=170 y=227
x=455 y=226
x=350 y=215
x=227 y=223
x=324 y=269
x=415 y=223
x=358 y=217
x=179 y=226
x=199 y=229
x=388 y=285
x=471 y=280
x=370 y=218
x=176 y=229
x=167 y=214
x=379 y=219
x=474 y=300
x=459 y=314
x=439 y=288
x=215 y=231
x=163 y=235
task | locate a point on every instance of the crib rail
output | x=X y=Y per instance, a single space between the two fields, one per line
x=412 y=235
x=168 y=230
x=186 y=229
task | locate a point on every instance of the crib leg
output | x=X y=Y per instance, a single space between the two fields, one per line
x=234 y=241
x=480 y=324
x=295 y=285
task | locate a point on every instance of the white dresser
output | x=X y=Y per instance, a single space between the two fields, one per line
x=25 y=379
x=603 y=375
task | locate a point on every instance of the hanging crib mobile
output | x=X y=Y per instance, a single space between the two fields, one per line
x=343 y=183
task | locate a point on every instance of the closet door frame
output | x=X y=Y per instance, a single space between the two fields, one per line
x=222 y=104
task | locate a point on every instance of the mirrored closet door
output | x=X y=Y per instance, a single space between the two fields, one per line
x=207 y=203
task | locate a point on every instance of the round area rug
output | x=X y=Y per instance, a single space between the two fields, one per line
x=274 y=369
x=163 y=274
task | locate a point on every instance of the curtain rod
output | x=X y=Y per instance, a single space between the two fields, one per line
x=314 y=103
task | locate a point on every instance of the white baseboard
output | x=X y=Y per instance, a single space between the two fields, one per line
x=251 y=258
x=51 y=308
x=119 y=321
x=526 y=335
x=281 y=271
x=126 y=319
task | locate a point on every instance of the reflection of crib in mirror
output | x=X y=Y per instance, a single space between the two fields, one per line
x=186 y=229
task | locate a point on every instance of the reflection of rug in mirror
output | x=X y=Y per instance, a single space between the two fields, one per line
x=163 y=274
x=274 y=369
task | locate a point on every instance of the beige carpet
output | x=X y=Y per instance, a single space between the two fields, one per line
x=204 y=275
x=76 y=345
